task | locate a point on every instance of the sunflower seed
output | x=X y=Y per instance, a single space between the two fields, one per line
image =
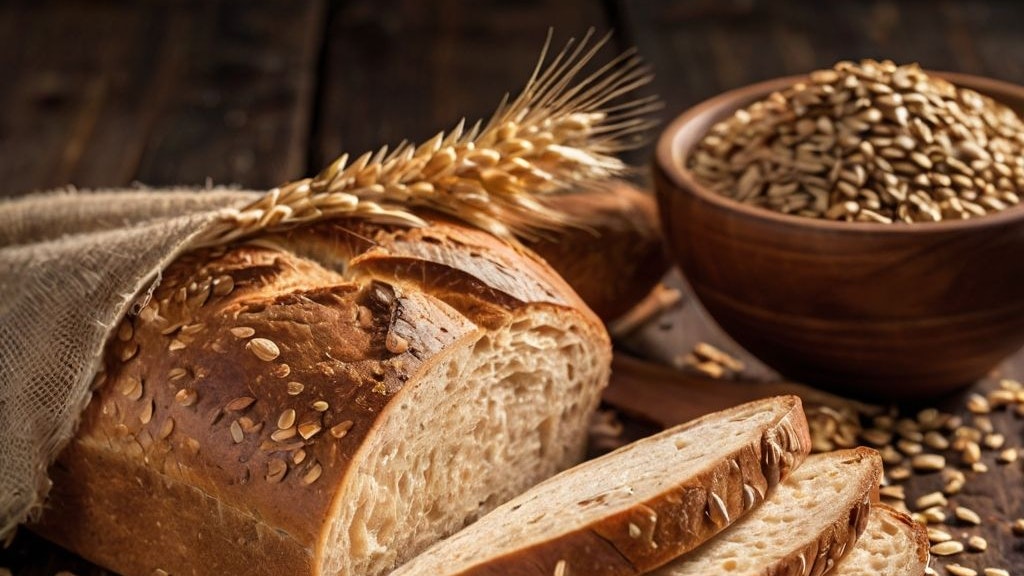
x=242 y=332
x=977 y=544
x=928 y=462
x=967 y=515
x=340 y=430
x=935 y=515
x=147 y=412
x=935 y=535
x=239 y=404
x=186 y=397
x=894 y=492
x=947 y=548
x=309 y=429
x=263 y=348
x=717 y=510
x=978 y=404
x=312 y=474
x=929 y=500
x=286 y=419
x=283 y=434
x=166 y=428
x=248 y=426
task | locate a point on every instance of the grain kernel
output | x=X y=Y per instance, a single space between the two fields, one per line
x=947 y=548
x=928 y=462
x=263 y=348
x=967 y=515
x=929 y=500
x=977 y=544
x=935 y=535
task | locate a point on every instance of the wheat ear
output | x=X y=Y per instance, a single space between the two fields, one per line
x=559 y=134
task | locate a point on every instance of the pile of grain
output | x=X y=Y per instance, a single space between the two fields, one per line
x=871 y=142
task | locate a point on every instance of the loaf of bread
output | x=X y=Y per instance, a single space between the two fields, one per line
x=618 y=258
x=326 y=401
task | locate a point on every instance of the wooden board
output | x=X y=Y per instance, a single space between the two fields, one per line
x=402 y=69
x=164 y=92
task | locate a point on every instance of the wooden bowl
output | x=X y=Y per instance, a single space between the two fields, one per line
x=876 y=310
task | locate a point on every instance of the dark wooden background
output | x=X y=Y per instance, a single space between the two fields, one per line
x=257 y=92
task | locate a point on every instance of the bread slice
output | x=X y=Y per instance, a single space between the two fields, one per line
x=638 y=507
x=892 y=545
x=803 y=528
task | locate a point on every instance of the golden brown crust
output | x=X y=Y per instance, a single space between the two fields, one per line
x=917 y=531
x=820 y=556
x=619 y=260
x=242 y=392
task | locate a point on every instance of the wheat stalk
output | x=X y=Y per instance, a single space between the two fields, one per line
x=559 y=134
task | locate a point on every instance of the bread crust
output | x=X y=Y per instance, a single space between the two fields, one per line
x=922 y=546
x=614 y=262
x=914 y=531
x=820 y=555
x=242 y=393
x=685 y=514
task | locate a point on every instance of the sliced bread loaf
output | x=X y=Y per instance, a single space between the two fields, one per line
x=892 y=545
x=327 y=401
x=802 y=529
x=638 y=507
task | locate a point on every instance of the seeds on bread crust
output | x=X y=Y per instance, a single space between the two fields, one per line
x=239 y=404
x=286 y=419
x=340 y=430
x=263 y=348
x=242 y=332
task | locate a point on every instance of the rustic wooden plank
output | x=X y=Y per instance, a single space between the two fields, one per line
x=163 y=92
x=702 y=48
x=400 y=69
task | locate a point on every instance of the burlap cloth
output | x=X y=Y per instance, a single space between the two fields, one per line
x=71 y=265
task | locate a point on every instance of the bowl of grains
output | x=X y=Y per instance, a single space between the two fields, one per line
x=860 y=228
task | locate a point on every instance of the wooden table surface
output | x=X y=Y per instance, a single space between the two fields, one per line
x=108 y=93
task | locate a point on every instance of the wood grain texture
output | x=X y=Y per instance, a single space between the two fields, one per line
x=403 y=69
x=107 y=93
